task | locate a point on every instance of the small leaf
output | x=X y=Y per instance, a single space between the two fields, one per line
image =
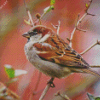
x=19 y=72
x=66 y=97
x=47 y=9
x=27 y=22
x=52 y=2
x=52 y=7
x=10 y=71
x=91 y=97
x=86 y=5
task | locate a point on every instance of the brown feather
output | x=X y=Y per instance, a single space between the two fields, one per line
x=60 y=53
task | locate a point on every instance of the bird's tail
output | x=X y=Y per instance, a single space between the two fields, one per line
x=90 y=71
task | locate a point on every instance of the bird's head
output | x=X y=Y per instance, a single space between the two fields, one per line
x=37 y=33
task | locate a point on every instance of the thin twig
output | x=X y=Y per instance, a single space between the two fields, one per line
x=29 y=15
x=39 y=77
x=75 y=28
x=11 y=80
x=57 y=27
x=79 y=21
x=7 y=93
x=80 y=29
x=46 y=89
x=94 y=44
x=65 y=97
x=54 y=26
x=3 y=4
x=72 y=34
x=44 y=92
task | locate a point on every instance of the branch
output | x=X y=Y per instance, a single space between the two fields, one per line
x=49 y=84
x=65 y=97
x=37 y=84
x=6 y=93
x=94 y=44
x=29 y=15
x=57 y=27
x=3 y=4
x=79 y=21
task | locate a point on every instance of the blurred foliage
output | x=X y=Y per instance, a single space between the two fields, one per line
x=13 y=73
x=10 y=71
x=91 y=97
x=52 y=2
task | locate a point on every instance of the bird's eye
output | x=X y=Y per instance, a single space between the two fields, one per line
x=32 y=33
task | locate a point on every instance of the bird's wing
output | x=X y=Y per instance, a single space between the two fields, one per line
x=56 y=50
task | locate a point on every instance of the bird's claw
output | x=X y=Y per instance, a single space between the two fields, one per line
x=51 y=83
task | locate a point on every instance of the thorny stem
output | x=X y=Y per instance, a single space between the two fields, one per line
x=94 y=44
x=46 y=89
x=29 y=14
x=79 y=21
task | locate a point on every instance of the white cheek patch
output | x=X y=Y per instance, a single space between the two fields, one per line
x=44 y=38
x=36 y=38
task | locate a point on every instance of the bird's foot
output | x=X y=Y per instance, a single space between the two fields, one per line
x=51 y=83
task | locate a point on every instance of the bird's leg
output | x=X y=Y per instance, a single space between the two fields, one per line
x=51 y=82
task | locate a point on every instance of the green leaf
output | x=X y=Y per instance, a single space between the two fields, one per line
x=13 y=73
x=97 y=98
x=10 y=71
x=52 y=2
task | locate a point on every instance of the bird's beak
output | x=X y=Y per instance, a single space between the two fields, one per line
x=26 y=35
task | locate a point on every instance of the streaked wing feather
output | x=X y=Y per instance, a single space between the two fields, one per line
x=56 y=50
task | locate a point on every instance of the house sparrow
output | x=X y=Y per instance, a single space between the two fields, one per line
x=52 y=55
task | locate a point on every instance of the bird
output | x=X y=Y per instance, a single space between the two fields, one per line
x=51 y=55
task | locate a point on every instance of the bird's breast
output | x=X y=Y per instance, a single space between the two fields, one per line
x=47 y=67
